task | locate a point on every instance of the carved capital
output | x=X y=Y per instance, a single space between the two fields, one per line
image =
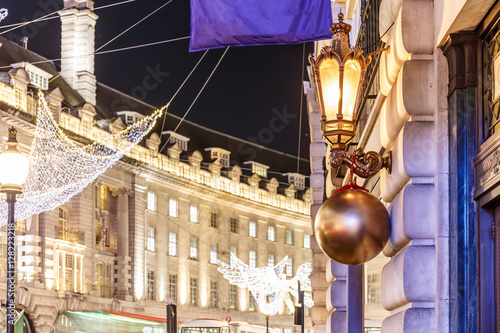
x=121 y=191
x=461 y=52
x=365 y=165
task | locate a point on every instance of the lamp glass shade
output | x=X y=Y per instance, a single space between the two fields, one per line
x=352 y=74
x=14 y=168
x=330 y=89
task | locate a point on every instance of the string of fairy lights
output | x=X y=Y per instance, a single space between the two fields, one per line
x=59 y=169
x=268 y=285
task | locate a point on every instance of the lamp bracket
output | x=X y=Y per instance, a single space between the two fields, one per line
x=365 y=165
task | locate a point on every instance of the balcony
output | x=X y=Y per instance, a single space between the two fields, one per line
x=70 y=235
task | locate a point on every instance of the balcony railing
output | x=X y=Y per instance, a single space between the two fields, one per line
x=70 y=235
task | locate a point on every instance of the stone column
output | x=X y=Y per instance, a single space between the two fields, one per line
x=123 y=267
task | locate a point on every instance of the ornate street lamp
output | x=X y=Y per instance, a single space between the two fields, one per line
x=352 y=226
x=339 y=72
x=13 y=172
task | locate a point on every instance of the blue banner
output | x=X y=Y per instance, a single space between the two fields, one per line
x=220 y=23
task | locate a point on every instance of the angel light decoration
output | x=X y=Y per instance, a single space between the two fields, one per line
x=268 y=285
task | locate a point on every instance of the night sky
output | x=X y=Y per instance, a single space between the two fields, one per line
x=251 y=86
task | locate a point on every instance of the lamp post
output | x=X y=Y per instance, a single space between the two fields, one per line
x=13 y=172
x=339 y=72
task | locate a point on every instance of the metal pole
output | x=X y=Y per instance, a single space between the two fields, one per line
x=11 y=265
x=302 y=309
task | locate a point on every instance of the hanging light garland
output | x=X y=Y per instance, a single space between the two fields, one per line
x=59 y=169
x=268 y=285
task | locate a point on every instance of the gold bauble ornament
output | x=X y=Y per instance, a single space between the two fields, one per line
x=352 y=226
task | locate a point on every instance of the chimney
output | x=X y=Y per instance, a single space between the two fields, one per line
x=24 y=42
x=77 y=47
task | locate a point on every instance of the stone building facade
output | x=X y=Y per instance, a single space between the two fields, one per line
x=151 y=228
x=434 y=104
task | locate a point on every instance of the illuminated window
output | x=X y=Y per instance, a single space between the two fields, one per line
x=213 y=253
x=213 y=294
x=233 y=297
x=270 y=260
x=213 y=220
x=103 y=197
x=289 y=267
x=193 y=249
x=270 y=234
x=260 y=170
x=193 y=214
x=234 y=225
x=151 y=285
x=194 y=291
x=172 y=244
x=21 y=226
x=252 y=259
x=173 y=208
x=373 y=288
x=233 y=252
x=62 y=226
x=289 y=237
x=150 y=243
x=152 y=201
x=307 y=241
x=69 y=273
x=251 y=302
x=252 y=229
x=172 y=287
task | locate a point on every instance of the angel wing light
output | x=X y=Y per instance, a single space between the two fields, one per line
x=60 y=169
x=268 y=285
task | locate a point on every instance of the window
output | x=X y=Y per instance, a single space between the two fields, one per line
x=213 y=253
x=252 y=229
x=213 y=294
x=172 y=287
x=193 y=285
x=103 y=279
x=270 y=260
x=307 y=241
x=251 y=302
x=289 y=267
x=173 y=210
x=297 y=180
x=234 y=225
x=373 y=288
x=151 y=285
x=150 y=243
x=261 y=170
x=152 y=201
x=62 y=227
x=213 y=220
x=289 y=237
x=172 y=244
x=232 y=297
x=221 y=154
x=233 y=253
x=193 y=249
x=21 y=225
x=270 y=234
x=252 y=259
x=193 y=214
x=69 y=272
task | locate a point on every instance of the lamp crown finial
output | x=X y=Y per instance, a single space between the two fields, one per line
x=340 y=27
x=12 y=135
